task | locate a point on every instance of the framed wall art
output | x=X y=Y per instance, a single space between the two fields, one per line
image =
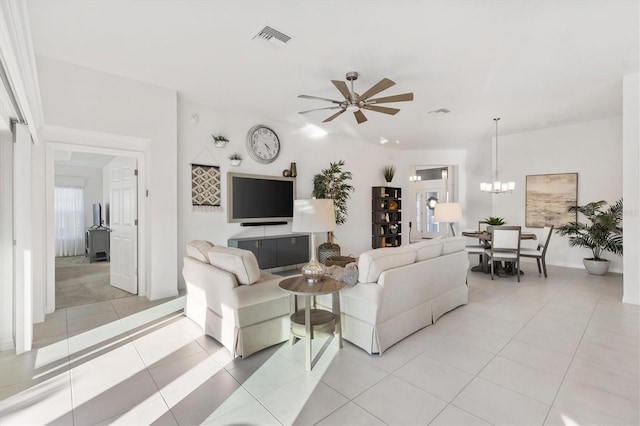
x=548 y=198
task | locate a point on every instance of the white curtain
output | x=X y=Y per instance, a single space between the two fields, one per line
x=69 y=212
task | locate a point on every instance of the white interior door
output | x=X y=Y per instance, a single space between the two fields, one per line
x=22 y=237
x=123 y=209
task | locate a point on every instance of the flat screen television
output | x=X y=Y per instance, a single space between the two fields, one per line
x=97 y=214
x=258 y=199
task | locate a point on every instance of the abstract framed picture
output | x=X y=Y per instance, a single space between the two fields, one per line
x=548 y=198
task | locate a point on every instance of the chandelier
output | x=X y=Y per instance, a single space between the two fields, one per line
x=497 y=187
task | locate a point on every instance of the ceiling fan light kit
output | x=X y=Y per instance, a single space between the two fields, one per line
x=497 y=187
x=354 y=102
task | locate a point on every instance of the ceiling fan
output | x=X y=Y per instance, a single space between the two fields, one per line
x=356 y=103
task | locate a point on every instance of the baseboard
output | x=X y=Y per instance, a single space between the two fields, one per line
x=6 y=345
x=631 y=300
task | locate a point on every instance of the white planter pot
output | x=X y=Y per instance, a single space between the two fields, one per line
x=236 y=162
x=596 y=267
x=220 y=144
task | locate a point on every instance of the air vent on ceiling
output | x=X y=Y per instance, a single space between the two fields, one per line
x=272 y=36
x=440 y=111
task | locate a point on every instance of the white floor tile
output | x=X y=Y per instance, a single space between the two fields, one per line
x=623 y=384
x=552 y=362
x=349 y=375
x=350 y=414
x=273 y=373
x=521 y=378
x=546 y=340
x=252 y=413
x=480 y=339
x=453 y=416
x=396 y=402
x=435 y=377
x=608 y=357
x=596 y=406
x=460 y=355
x=500 y=406
x=304 y=401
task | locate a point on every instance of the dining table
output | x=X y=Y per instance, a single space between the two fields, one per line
x=485 y=240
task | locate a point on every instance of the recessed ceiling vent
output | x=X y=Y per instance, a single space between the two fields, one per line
x=440 y=111
x=272 y=36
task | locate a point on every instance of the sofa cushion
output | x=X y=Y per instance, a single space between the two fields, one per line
x=373 y=262
x=452 y=245
x=198 y=249
x=241 y=263
x=427 y=249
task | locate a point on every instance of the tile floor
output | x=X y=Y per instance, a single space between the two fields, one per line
x=560 y=351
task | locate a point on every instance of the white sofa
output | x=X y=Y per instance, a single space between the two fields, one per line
x=232 y=300
x=401 y=290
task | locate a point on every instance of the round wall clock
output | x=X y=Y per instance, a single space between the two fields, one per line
x=263 y=144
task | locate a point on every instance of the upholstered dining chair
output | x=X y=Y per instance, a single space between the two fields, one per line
x=505 y=246
x=540 y=253
x=477 y=248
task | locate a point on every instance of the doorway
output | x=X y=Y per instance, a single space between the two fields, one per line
x=75 y=140
x=430 y=185
x=84 y=248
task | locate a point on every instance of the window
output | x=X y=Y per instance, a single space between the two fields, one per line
x=69 y=220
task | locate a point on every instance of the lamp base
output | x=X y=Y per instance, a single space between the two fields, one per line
x=313 y=272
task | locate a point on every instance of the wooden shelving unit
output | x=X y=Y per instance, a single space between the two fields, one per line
x=386 y=216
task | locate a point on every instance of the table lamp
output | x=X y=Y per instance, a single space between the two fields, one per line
x=448 y=212
x=315 y=215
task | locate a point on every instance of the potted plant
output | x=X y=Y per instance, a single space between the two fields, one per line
x=603 y=232
x=333 y=183
x=495 y=221
x=388 y=173
x=219 y=141
x=236 y=159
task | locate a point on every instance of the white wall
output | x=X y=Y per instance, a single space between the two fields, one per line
x=592 y=149
x=80 y=98
x=631 y=188
x=92 y=178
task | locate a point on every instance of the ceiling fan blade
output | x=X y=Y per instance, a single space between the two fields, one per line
x=342 y=87
x=318 y=109
x=360 y=118
x=322 y=99
x=395 y=98
x=383 y=84
x=334 y=115
x=384 y=110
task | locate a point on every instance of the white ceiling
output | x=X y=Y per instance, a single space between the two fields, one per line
x=81 y=159
x=532 y=63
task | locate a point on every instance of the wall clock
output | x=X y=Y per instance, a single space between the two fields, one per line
x=263 y=144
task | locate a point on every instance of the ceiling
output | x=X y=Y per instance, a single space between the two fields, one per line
x=532 y=63
x=81 y=159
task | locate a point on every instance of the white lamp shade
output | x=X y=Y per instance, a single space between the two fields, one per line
x=447 y=212
x=315 y=215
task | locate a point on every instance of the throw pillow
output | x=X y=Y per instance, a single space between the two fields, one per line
x=198 y=249
x=241 y=263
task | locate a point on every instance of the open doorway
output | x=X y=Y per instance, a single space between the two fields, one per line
x=84 y=194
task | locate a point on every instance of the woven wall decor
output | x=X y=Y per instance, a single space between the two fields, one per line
x=205 y=187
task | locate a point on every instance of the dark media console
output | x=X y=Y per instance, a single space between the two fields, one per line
x=277 y=250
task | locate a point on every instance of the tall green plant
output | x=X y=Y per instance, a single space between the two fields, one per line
x=333 y=183
x=602 y=233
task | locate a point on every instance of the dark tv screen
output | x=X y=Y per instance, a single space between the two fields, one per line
x=260 y=198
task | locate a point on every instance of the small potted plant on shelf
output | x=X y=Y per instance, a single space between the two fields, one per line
x=235 y=158
x=219 y=141
x=388 y=173
x=602 y=233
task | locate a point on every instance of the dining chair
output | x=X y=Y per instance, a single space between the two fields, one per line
x=477 y=248
x=540 y=252
x=505 y=246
